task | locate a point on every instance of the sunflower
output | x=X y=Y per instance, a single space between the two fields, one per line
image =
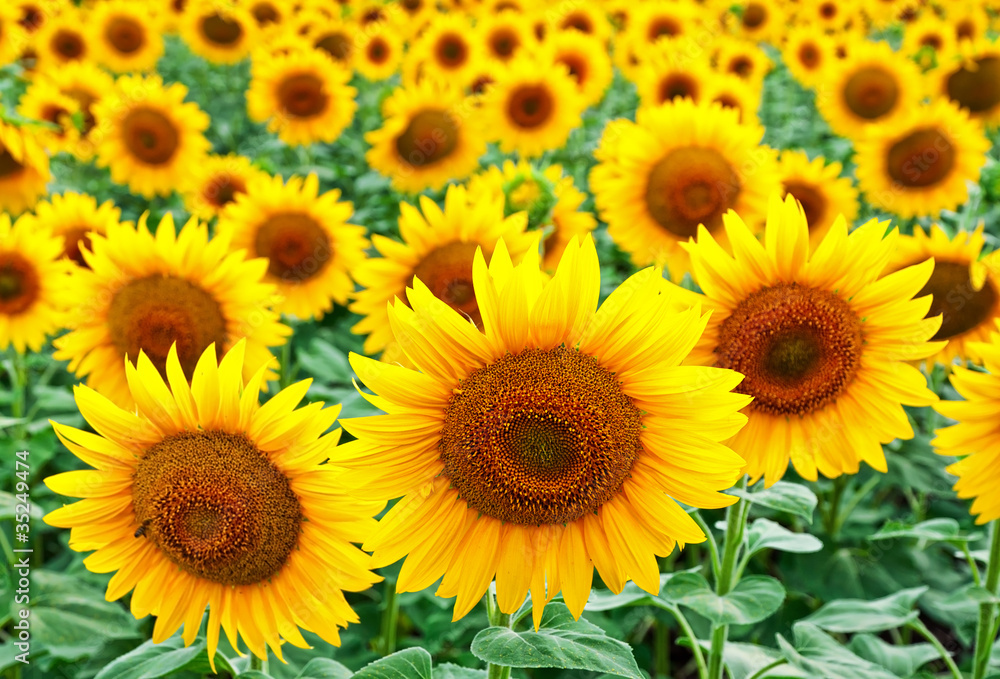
x=24 y=169
x=438 y=248
x=505 y=35
x=34 y=14
x=33 y=285
x=413 y=16
x=268 y=14
x=586 y=17
x=74 y=218
x=216 y=181
x=12 y=35
x=822 y=339
x=171 y=14
x=665 y=76
x=833 y=16
x=975 y=435
x=965 y=287
x=201 y=497
x=972 y=80
x=659 y=20
x=819 y=188
x=87 y=84
x=969 y=20
x=587 y=60
x=222 y=34
x=762 y=21
x=744 y=59
x=807 y=53
x=920 y=164
x=428 y=136
x=678 y=166
x=446 y=50
x=126 y=36
x=146 y=292
x=531 y=110
x=731 y=91
x=151 y=137
x=43 y=101
x=304 y=97
x=549 y=197
x=378 y=56
x=332 y=36
x=310 y=248
x=873 y=84
x=557 y=440
x=929 y=40
x=64 y=39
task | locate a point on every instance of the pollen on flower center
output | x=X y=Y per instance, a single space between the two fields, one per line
x=296 y=246
x=922 y=158
x=19 y=284
x=302 y=95
x=125 y=34
x=151 y=314
x=430 y=136
x=221 y=30
x=540 y=437
x=871 y=93
x=799 y=348
x=961 y=306
x=150 y=136
x=976 y=88
x=530 y=106
x=217 y=507
x=691 y=186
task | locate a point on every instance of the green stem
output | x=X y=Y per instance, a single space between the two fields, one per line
x=710 y=540
x=920 y=628
x=736 y=521
x=984 y=629
x=699 y=657
x=285 y=370
x=766 y=668
x=19 y=383
x=830 y=515
x=390 y=619
x=972 y=564
x=841 y=517
x=256 y=664
x=661 y=645
x=497 y=619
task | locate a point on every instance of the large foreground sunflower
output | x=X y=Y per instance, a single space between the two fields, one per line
x=304 y=97
x=74 y=218
x=922 y=163
x=678 y=166
x=201 y=497
x=965 y=286
x=310 y=248
x=147 y=292
x=438 y=248
x=148 y=135
x=24 y=169
x=427 y=138
x=824 y=342
x=556 y=439
x=33 y=285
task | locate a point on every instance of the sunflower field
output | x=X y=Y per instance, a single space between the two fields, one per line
x=500 y=339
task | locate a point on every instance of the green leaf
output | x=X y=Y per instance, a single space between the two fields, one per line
x=412 y=663
x=766 y=534
x=631 y=595
x=325 y=362
x=324 y=668
x=449 y=671
x=745 y=660
x=933 y=530
x=821 y=657
x=783 y=496
x=856 y=615
x=150 y=660
x=560 y=642
x=903 y=661
x=752 y=600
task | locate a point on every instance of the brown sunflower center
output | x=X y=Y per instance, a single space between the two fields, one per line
x=828 y=10
x=265 y=13
x=452 y=51
x=295 y=244
x=302 y=95
x=447 y=273
x=577 y=66
x=578 y=21
x=812 y=199
x=153 y=313
x=799 y=348
x=976 y=88
x=8 y=164
x=922 y=158
x=966 y=28
x=86 y=100
x=56 y=115
x=68 y=44
x=809 y=55
x=961 y=306
x=530 y=106
x=754 y=15
x=503 y=42
x=73 y=240
x=222 y=190
x=19 y=284
x=692 y=185
x=933 y=41
x=378 y=50
x=221 y=30
x=150 y=136
x=125 y=34
x=32 y=17
x=431 y=136
x=871 y=92
x=663 y=27
x=337 y=45
x=216 y=507
x=741 y=66
x=678 y=85
x=540 y=437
